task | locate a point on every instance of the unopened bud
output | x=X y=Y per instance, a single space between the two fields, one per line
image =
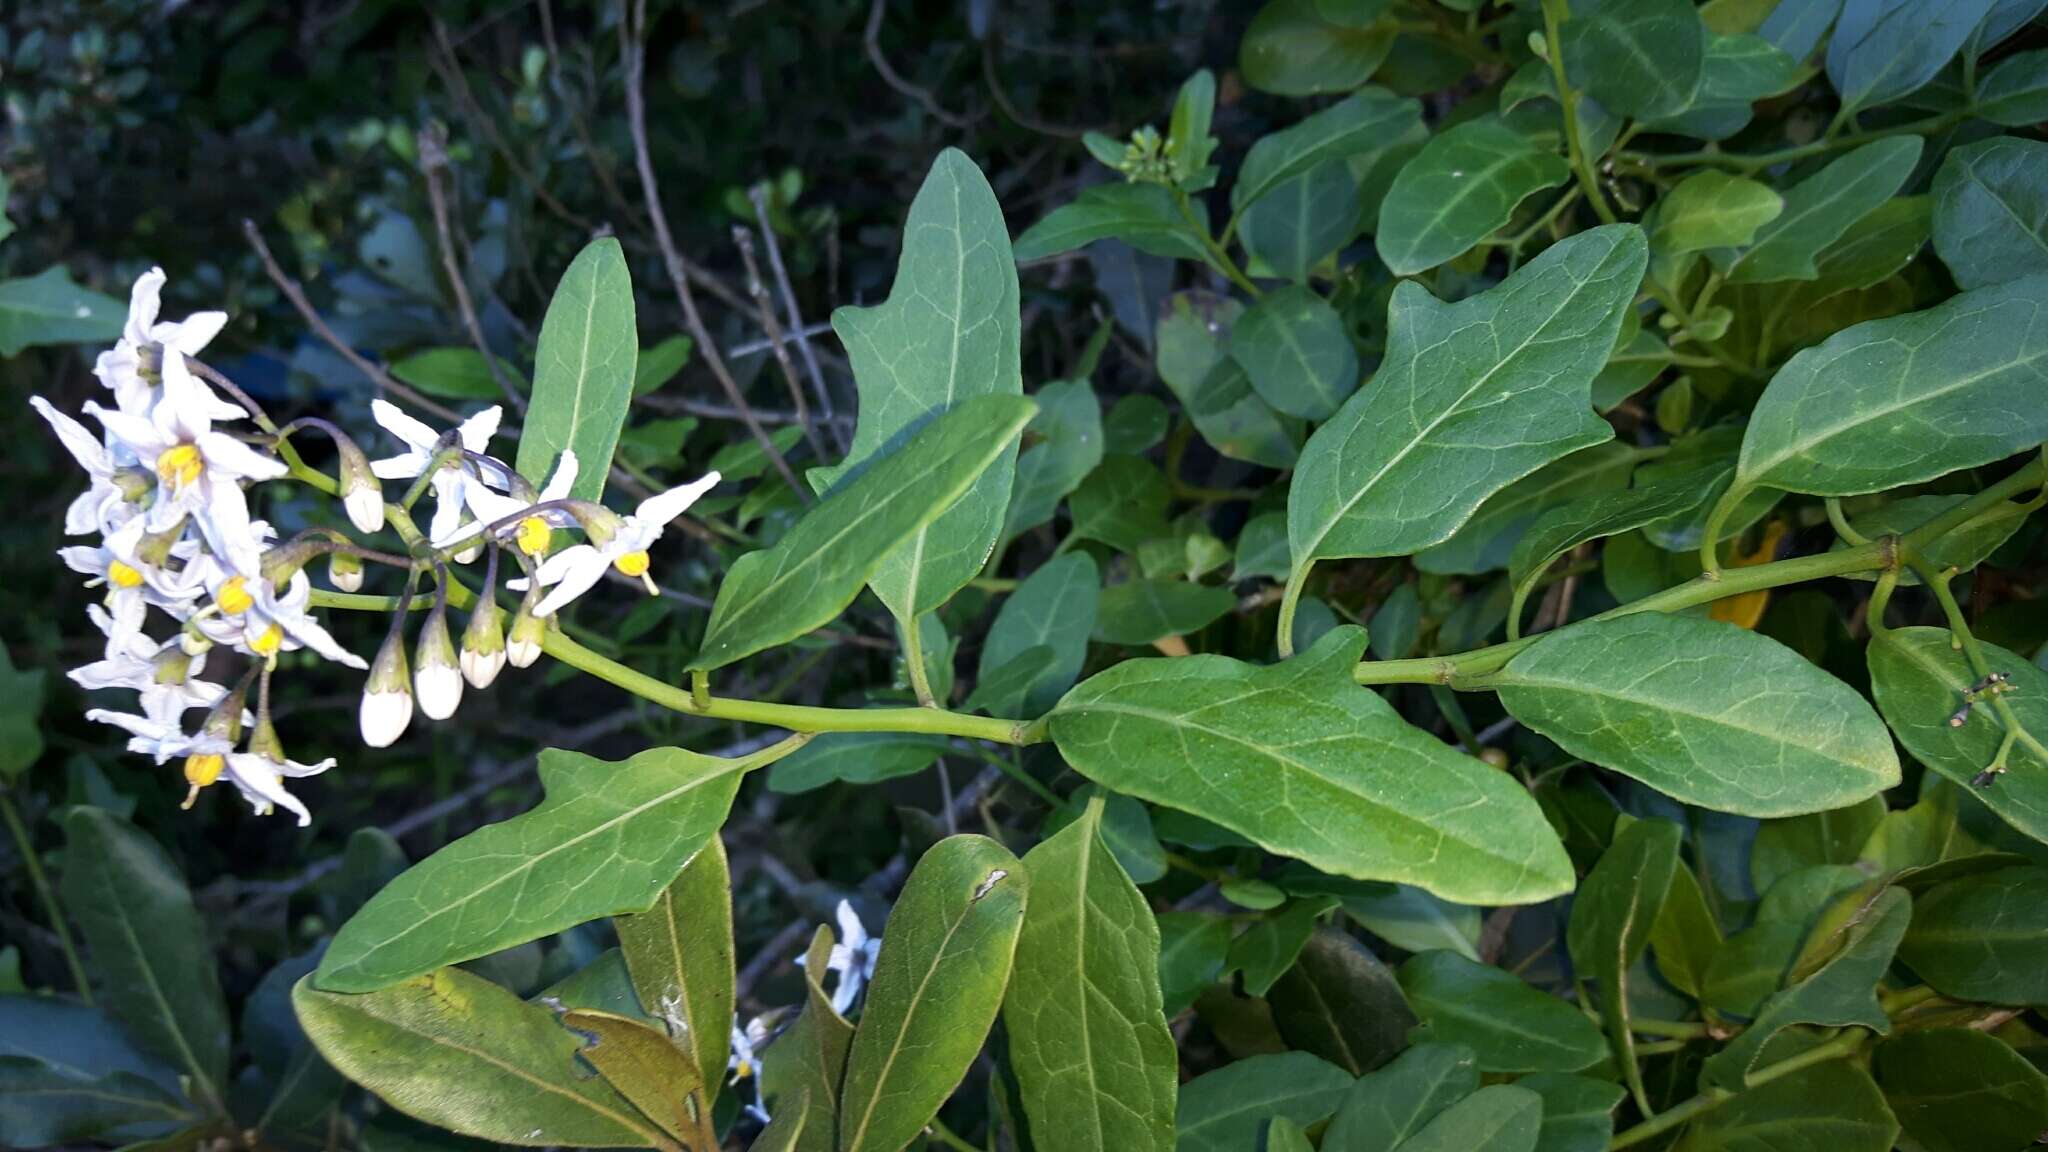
x=362 y=495
x=483 y=644
x=344 y=571
x=225 y=721
x=436 y=676
x=154 y=549
x=387 y=695
x=528 y=631
x=264 y=741
x=283 y=562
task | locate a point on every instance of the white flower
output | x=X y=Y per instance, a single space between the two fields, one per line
x=745 y=1061
x=572 y=571
x=257 y=619
x=853 y=957
x=166 y=677
x=437 y=675
x=105 y=505
x=163 y=741
x=451 y=484
x=260 y=780
x=533 y=532
x=386 y=710
x=133 y=583
x=133 y=367
x=198 y=470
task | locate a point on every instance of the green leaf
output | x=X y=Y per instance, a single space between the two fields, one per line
x=1338 y=1001
x=418 y=1045
x=808 y=1061
x=1497 y=1118
x=1870 y=252
x=455 y=374
x=1464 y=184
x=946 y=335
x=2015 y=92
x=1295 y=349
x=1055 y=606
x=1737 y=70
x=1508 y=1025
x=660 y=363
x=1685 y=938
x=1290 y=230
x=1713 y=209
x=1639 y=58
x=1840 y=993
x=1906 y=399
x=1188 y=132
x=21 y=734
x=680 y=955
x=1227 y=1110
x=1819 y=209
x=1193 y=359
x=1387 y=1106
x=41 y=1105
x=1290 y=49
x=1611 y=918
x=1284 y=1135
x=1415 y=921
x=1144 y=216
x=1884 y=49
x=1918 y=679
x=856 y=758
x=1833 y=1106
x=1835 y=836
x=1704 y=712
x=1471 y=397
x=1958 y=1090
x=1984 y=937
x=1192 y=947
x=1138 y=612
x=1095 y=1063
x=149 y=946
x=583 y=370
x=1066 y=444
x=1599 y=516
x=946 y=957
x=1307 y=764
x=1750 y=966
x=1991 y=211
x=1578 y=1111
x=1266 y=950
x=608 y=839
x=1359 y=124
x=785 y=1133
x=1261 y=548
x=48 y=308
x=1487 y=541
x=816 y=569
x=1122 y=504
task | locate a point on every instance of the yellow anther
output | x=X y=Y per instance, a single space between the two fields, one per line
x=203 y=768
x=533 y=536
x=269 y=642
x=122 y=576
x=633 y=564
x=234 y=598
x=179 y=466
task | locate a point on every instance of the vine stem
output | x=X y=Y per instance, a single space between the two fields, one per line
x=40 y=881
x=795 y=717
x=913 y=663
x=1756 y=160
x=1554 y=12
x=1290 y=600
x=1879 y=555
x=1707 y=1101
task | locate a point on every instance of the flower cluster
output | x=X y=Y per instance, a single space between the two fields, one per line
x=852 y=962
x=168 y=500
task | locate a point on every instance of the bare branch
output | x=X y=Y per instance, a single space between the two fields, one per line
x=872 y=40
x=765 y=313
x=759 y=195
x=433 y=162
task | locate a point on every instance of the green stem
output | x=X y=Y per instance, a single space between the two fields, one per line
x=1756 y=160
x=40 y=881
x=1217 y=255
x=1290 y=599
x=1713 y=1098
x=913 y=661
x=937 y=1129
x=1840 y=523
x=1554 y=12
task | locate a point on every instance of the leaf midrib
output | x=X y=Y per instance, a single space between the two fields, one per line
x=852 y=1143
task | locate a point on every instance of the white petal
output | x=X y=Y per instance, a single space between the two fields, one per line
x=558 y=485
x=258 y=780
x=308 y=631
x=132 y=429
x=663 y=507
x=84 y=447
x=852 y=933
x=574 y=582
x=84 y=559
x=225 y=524
x=133 y=724
x=399 y=467
x=193 y=333
x=297 y=770
x=226 y=454
x=143 y=302
x=476 y=432
x=439 y=687
x=395 y=421
x=184 y=413
x=384 y=717
x=555 y=567
x=365 y=507
x=121 y=672
x=449 y=486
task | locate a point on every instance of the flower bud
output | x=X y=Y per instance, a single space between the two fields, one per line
x=225 y=721
x=528 y=630
x=469 y=553
x=361 y=492
x=344 y=571
x=437 y=676
x=483 y=644
x=599 y=523
x=283 y=561
x=387 y=695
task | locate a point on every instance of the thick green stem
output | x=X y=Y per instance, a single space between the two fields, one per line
x=1290 y=600
x=1756 y=160
x=1685 y=1113
x=913 y=662
x=40 y=881
x=1554 y=13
